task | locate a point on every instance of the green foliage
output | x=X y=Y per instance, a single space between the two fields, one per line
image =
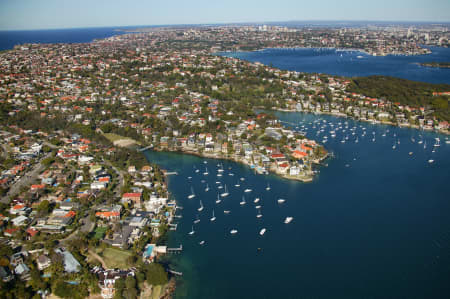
x=405 y=92
x=155 y=274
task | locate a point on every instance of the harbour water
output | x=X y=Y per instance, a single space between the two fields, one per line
x=373 y=224
x=353 y=63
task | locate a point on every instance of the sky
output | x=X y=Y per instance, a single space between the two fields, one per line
x=52 y=14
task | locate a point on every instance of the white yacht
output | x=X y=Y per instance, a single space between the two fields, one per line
x=192 y=231
x=288 y=219
x=259 y=215
x=438 y=142
x=202 y=242
x=262 y=232
x=192 y=195
x=237 y=184
x=218 y=200
x=225 y=193
x=233 y=231
x=256 y=200
x=281 y=200
x=226 y=212
x=247 y=190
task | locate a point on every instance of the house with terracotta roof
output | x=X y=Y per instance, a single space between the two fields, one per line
x=136 y=198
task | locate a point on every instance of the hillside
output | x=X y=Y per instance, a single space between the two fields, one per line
x=405 y=92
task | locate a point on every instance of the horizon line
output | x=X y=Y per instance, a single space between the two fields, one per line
x=240 y=23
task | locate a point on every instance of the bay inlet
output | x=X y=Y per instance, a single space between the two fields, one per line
x=373 y=223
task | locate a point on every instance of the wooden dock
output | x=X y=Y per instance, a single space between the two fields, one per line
x=145 y=148
x=175 y=250
x=176 y=272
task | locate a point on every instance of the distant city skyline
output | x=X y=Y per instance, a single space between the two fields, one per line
x=54 y=14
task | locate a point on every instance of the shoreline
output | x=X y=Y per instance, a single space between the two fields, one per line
x=362 y=51
x=308 y=177
x=375 y=122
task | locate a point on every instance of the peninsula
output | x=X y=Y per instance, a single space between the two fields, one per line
x=83 y=214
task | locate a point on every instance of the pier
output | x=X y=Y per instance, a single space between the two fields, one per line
x=175 y=250
x=145 y=148
x=171 y=173
x=176 y=273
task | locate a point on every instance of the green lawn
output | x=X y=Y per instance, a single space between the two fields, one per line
x=100 y=232
x=116 y=258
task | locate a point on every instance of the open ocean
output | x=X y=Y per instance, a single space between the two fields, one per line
x=374 y=223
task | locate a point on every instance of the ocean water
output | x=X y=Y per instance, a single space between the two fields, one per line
x=8 y=39
x=374 y=223
x=352 y=63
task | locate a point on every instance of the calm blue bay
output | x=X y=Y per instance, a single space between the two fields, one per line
x=352 y=63
x=373 y=224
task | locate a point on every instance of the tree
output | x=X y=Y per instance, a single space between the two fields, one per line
x=155 y=274
x=44 y=207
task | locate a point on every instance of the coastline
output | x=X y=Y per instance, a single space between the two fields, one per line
x=372 y=121
x=362 y=51
x=308 y=177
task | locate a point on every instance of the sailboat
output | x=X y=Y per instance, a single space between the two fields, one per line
x=248 y=190
x=425 y=145
x=220 y=168
x=207 y=188
x=218 y=199
x=237 y=184
x=437 y=142
x=201 y=207
x=261 y=232
x=268 y=187
x=201 y=242
x=206 y=171
x=288 y=220
x=192 y=231
x=225 y=193
x=243 y=202
x=256 y=200
x=259 y=215
x=281 y=200
x=233 y=231
x=192 y=195
x=213 y=218
x=197 y=220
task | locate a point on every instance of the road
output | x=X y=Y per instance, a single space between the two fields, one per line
x=26 y=180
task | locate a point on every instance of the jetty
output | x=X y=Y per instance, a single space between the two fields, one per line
x=175 y=250
x=171 y=173
x=145 y=148
x=176 y=273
